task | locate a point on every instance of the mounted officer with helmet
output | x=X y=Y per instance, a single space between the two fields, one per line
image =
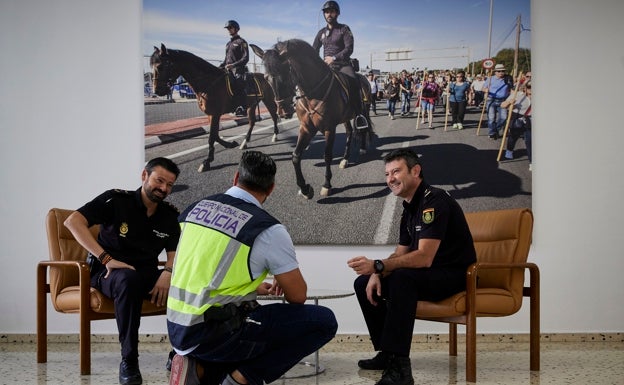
x=235 y=63
x=337 y=42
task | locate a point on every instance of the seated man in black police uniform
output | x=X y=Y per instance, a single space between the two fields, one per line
x=236 y=58
x=337 y=42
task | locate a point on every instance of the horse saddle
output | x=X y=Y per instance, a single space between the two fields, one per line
x=344 y=81
x=252 y=86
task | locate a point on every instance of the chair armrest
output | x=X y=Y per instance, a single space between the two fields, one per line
x=84 y=280
x=472 y=274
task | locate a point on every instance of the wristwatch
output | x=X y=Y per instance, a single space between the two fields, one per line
x=379 y=266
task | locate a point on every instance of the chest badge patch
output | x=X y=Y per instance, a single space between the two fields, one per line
x=123 y=229
x=428 y=216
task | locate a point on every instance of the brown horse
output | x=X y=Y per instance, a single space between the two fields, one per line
x=213 y=90
x=322 y=103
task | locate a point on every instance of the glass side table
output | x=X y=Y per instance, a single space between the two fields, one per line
x=313 y=295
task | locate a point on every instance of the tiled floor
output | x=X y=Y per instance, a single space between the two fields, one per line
x=497 y=363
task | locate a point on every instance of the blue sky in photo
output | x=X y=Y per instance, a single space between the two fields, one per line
x=439 y=33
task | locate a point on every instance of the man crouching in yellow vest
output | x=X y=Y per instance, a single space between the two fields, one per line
x=228 y=245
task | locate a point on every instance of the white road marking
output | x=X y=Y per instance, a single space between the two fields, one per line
x=258 y=128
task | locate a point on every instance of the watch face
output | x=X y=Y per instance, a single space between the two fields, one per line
x=379 y=266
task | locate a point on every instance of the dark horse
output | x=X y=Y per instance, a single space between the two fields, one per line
x=322 y=105
x=211 y=85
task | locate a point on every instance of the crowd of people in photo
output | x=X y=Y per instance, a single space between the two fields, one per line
x=422 y=93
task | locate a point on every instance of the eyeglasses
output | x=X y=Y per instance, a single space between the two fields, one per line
x=499 y=71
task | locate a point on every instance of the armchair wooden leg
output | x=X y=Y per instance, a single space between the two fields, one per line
x=85 y=345
x=471 y=348
x=534 y=319
x=452 y=339
x=42 y=317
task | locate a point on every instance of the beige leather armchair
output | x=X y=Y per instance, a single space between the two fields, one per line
x=494 y=284
x=69 y=288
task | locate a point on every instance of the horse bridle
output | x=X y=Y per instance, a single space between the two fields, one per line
x=318 y=86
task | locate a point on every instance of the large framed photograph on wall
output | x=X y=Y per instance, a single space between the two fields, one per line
x=330 y=183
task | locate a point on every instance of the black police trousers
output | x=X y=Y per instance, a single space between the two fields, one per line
x=127 y=288
x=391 y=323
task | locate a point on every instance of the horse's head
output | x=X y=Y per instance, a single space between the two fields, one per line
x=164 y=70
x=277 y=73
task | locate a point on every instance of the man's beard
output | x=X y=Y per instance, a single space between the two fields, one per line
x=153 y=196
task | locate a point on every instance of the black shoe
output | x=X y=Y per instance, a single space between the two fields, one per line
x=494 y=136
x=129 y=373
x=240 y=111
x=379 y=362
x=169 y=360
x=399 y=372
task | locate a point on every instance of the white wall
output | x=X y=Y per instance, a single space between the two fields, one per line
x=71 y=125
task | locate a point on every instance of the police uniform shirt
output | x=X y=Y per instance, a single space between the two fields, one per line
x=337 y=41
x=236 y=52
x=127 y=233
x=433 y=214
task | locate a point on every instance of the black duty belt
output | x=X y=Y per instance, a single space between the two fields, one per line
x=229 y=311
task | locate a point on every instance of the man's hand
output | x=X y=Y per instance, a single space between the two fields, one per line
x=266 y=288
x=362 y=265
x=329 y=59
x=161 y=289
x=115 y=264
x=373 y=288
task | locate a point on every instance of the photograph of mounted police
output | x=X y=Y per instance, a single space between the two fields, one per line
x=327 y=89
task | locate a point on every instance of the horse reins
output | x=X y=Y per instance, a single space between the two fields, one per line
x=329 y=88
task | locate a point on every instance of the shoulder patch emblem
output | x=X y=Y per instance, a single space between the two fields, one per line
x=428 y=216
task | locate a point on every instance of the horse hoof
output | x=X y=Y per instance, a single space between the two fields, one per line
x=243 y=145
x=205 y=166
x=325 y=191
x=309 y=194
x=343 y=164
x=274 y=138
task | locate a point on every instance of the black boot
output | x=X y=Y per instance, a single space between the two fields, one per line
x=170 y=360
x=129 y=373
x=399 y=372
x=379 y=362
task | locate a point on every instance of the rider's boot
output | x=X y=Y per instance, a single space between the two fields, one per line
x=355 y=98
x=241 y=97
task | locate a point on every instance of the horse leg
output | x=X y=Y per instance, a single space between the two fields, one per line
x=251 y=117
x=304 y=138
x=214 y=130
x=347 y=152
x=212 y=137
x=330 y=136
x=272 y=107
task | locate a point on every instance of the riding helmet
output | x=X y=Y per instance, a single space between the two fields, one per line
x=331 y=5
x=232 y=23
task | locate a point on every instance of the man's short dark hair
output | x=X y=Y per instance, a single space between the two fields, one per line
x=163 y=162
x=409 y=156
x=256 y=171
